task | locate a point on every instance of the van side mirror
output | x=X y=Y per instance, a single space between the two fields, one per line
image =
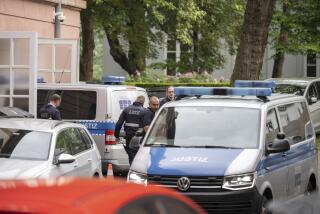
x=312 y=100
x=280 y=144
x=65 y=158
x=135 y=142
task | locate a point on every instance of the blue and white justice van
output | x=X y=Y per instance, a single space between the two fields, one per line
x=232 y=150
x=98 y=107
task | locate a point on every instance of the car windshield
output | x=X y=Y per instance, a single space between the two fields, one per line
x=24 y=144
x=290 y=89
x=208 y=127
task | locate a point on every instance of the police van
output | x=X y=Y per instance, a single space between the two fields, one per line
x=232 y=152
x=98 y=107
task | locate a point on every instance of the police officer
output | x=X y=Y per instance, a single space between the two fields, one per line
x=50 y=110
x=132 y=118
x=169 y=96
x=154 y=105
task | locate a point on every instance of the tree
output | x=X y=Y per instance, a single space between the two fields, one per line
x=87 y=27
x=295 y=30
x=253 y=39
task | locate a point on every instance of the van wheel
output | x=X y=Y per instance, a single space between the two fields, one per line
x=264 y=206
x=310 y=188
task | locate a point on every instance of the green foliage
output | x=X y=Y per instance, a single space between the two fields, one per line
x=198 y=84
x=98 y=53
x=302 y=23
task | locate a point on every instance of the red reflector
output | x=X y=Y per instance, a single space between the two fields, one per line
x=110 y=139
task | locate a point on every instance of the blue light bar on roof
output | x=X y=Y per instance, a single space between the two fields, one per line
x=223 y=91
x=113 y=79
x=40 y=80
x=254 y=84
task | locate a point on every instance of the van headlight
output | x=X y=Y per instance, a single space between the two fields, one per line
x=239 y=182
x=137 y=178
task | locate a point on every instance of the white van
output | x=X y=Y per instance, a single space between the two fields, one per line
x=98 y=107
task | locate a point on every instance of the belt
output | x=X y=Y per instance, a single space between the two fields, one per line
x=134 y=125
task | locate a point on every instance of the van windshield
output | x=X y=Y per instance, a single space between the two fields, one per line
x=123 y=98
x=208 y=127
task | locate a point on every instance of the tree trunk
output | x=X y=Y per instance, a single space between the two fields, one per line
x=86 y=60
x=119 y=55
x=280 y=52
x=253 y=39
x=195 y=60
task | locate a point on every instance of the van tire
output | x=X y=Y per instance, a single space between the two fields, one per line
x=264 y=206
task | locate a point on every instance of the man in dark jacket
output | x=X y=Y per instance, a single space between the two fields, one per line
x=169 y=96
x=154 y=105
x=50 y=110
x=132 y=118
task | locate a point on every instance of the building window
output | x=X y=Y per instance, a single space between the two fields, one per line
x=171 y=56
x=311 y=65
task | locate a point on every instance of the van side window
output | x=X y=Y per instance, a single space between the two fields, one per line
x=75 y=105
x=294 y=119
x=272 y=126
x=313 y=92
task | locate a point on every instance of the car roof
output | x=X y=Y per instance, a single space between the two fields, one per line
x=85 y=86
x=31 y=124
x=69 y=195
x=295 y=81
x=234 y=101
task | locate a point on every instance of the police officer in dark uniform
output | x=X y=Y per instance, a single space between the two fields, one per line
x=132 y=118
x=50 y=111
x=169 y=96
x=154 y=105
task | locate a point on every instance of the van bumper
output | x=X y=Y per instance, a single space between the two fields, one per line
x=227 y=201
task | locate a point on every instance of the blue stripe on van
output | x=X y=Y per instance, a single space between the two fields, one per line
x=295 y=154
x=98 y=127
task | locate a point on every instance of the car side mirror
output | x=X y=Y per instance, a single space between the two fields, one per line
x=312 y=100
x=135 y=142
x=280 y=144
x=65 y=158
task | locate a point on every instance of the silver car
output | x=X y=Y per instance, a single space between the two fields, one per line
x=307 y=87
x=31 y=148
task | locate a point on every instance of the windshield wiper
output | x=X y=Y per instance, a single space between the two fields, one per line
x=216 y=147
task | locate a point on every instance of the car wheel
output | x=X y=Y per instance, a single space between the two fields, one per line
x=264 y=206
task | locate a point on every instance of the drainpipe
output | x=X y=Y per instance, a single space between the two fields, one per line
x=57 y=24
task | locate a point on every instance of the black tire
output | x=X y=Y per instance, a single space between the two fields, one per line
x=310 y=188
x=264 y=206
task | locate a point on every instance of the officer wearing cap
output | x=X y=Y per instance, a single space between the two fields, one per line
x=132 y=118
x=169 y=96
x=50 y=110
x=154 y=105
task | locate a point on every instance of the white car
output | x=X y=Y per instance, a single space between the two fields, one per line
x=31 y=148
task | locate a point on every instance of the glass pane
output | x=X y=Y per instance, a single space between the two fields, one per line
x=63 y=57
x=4 y=51
x=4 y=101
x=21 y=51
x=311 y=71
x=171 y=45
x=311 y=59
x=47 y=76
x=62 y=77
x=21 y=81
x=45 y=56
x=4 y=81
x=22 y=103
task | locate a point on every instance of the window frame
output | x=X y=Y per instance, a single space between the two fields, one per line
x=275 y=109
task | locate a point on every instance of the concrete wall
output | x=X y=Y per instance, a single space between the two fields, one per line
x=37 y=16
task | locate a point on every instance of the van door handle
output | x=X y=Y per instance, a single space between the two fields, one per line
x=89 y=159
x=284 y=154
x=75 y=165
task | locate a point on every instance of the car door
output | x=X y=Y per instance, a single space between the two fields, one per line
x=82 y=152
x=314 y=91
x=275 y=164
x=298 y=130
x=63 y=146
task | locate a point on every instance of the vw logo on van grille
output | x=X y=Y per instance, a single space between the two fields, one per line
x=183 y=184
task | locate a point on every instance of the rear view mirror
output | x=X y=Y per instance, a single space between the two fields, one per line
x=66 y=158
x=280 y=144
